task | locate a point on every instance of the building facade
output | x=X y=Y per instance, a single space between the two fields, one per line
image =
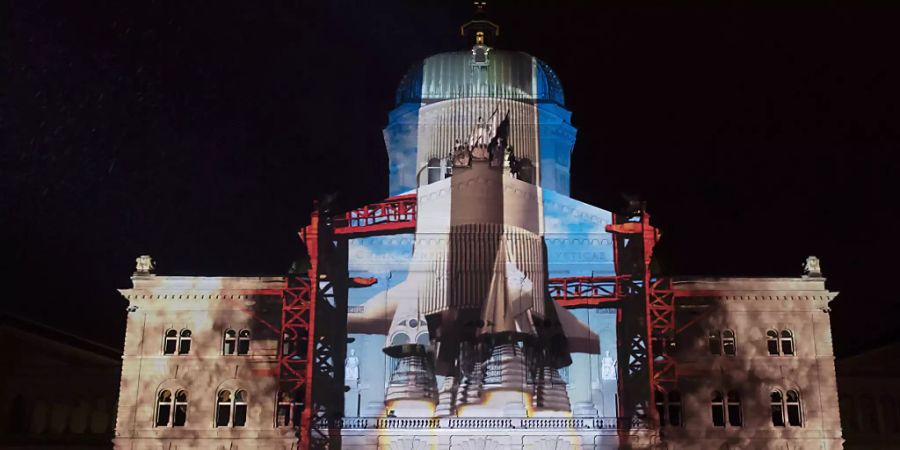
x=869 y=383
x=457 y=339
x=57 y=390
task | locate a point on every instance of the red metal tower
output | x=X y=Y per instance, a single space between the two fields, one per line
x=310 y=358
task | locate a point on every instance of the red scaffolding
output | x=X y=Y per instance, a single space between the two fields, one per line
x=325 y=239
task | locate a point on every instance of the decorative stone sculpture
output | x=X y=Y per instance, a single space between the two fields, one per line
x=144 y=265
x=812 y=267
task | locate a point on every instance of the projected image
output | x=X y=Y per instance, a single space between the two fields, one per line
x=461 y=321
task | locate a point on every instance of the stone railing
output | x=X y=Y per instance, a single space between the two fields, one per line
x=481 y=423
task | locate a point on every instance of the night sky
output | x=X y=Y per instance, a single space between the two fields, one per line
x=200 y=133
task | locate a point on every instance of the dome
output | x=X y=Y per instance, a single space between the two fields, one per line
x=505 y=74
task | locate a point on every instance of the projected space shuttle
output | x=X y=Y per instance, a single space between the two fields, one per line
x=482 y=139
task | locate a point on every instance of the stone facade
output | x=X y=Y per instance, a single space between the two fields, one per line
x=207 y=307
x=709 y=360
x=800 y=361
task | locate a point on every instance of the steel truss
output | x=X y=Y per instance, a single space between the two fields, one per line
x=314 y=366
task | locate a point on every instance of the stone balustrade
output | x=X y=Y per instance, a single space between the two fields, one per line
x=481 y=423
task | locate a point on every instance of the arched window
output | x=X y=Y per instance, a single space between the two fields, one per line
x=231 y=410
x=734 y=409
x=674 y=408
x=728 y=342
x=171 y=410
x=184 y=342
x=715 y=342
x=223 y=410
x=164 y=408
x=777 y=401
x=718 y=409
x=795 y=418
x=889 y=411
x=243 y=346
x=787 y=342
x=170 y=343
x=772 y=342
x=423 y=339
x=287 y=410
x=230 y=342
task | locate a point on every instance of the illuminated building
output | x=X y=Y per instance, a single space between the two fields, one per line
x=479 y=307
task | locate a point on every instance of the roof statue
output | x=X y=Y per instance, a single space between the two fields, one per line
x=144 y=265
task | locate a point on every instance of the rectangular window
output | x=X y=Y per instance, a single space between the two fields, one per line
x=718 y=415
x=240 y=415
x=787 y=346
x=777 y=416
x=734 y=415
x=180 y=415
x=729 y=348
x=162 y=414
x=223 y=414
x=794 y=415
x=243 y=346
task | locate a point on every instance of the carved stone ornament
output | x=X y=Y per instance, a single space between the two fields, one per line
x=812 y=267
x=144 y=265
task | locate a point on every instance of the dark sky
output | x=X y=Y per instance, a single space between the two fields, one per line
x=201 y=132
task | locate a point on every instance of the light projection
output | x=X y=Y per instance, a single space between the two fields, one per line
x=460 y=321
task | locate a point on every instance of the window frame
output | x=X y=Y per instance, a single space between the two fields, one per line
x=172 y=404
x=294 y=409
x=733 y=400
x=796 y=404
x=779 y=403
x=732 y=339
x=243 y=342
x=160 y=403
x=786 y=335
x=173 y=339
x=180 y=403
x=232 y=404
x=229 y=337
x=717 y=401
x=773 y=343
x=185 y=337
